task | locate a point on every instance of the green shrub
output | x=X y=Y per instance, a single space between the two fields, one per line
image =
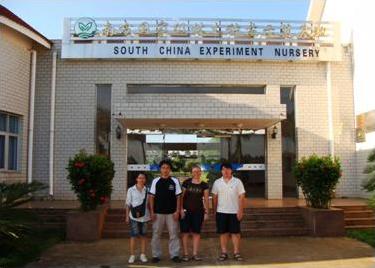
x=11 y=196
x=15 y=194
x=369 y=183
x=91 y=179
x=318 y=176
x=16 y=225
x=367 y=236
x=371 y=202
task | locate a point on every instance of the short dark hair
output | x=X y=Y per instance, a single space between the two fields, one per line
x=142 y=173
x=226 y=165
x=165 y=162
x=196 y=166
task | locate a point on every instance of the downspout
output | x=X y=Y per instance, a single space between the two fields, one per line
x=330 y=115
x=31 y=118
x=52 y=123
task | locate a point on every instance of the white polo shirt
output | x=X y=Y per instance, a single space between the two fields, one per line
x=135 y=198
x=228 y=193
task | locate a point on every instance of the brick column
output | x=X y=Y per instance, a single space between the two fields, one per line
x=119 y=157
x=274 y=178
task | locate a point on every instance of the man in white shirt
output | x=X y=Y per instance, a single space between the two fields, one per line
x=228 y=203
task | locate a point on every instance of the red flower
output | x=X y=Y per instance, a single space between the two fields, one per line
x=81 y=181
x=79 y=164
x=104 y=199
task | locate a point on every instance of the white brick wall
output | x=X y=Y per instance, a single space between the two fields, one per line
x=274 y=187
x=76 y=107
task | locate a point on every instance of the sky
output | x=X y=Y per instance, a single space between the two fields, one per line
x=46 y=16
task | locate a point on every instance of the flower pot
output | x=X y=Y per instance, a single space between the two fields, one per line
x=324 y=222
x=85 y=226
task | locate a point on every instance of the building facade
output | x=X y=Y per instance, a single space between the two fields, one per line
x=19 y=44
x=260 y=94
x=354 y=34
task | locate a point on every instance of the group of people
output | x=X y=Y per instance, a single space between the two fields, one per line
x=184 y=208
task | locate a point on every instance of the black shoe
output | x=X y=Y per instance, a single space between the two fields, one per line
x=155 y=259
x=176 y=259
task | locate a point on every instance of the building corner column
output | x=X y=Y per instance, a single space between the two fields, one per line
x=119 y=158
x=274 y=180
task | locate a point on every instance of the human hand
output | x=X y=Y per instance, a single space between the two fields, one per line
x=176 y=215
x=239 y=215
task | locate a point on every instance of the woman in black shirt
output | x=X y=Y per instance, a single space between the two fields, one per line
x=194 y=211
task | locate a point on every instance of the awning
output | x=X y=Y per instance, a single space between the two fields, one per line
x=169 y=123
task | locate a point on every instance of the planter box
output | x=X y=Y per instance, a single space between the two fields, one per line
x=324 y=222
x=85 y=226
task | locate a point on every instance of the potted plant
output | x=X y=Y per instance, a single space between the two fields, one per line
x=318 y=176
x=91 y=179
x=369 y=182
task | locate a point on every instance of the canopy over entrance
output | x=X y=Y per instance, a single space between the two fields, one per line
x=253 y=124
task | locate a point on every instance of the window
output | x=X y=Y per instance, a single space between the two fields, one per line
x=288 y=139
x=103 y=119
x=9 y=141
x=193 y=89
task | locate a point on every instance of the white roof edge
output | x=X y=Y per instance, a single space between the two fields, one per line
x=315 y=11
x=25 y=31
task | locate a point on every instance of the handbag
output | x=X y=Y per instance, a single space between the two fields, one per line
x=140 y=210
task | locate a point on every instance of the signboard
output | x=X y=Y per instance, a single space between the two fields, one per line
x=205 y=167
x=205 y=39
x=193 y=51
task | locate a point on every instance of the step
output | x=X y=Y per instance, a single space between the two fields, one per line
x=359 y=214
x=360 y=227
x=212 y=224
x=353 y=207
x=114 y=211
x=246 y=214
x=360 y=221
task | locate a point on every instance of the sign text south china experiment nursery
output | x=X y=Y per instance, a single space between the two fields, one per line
x=193 y=51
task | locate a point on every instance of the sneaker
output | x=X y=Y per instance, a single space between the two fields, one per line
x=155 y=259
x=131 y=259
x=176 y=259
x=143 y=258
x=185 y=258
x=196 y=258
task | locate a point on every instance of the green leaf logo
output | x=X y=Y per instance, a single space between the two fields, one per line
x=85 y=28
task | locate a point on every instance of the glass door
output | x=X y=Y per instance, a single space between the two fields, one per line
x=245 y=151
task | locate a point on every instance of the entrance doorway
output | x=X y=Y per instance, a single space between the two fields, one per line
x=244 y=149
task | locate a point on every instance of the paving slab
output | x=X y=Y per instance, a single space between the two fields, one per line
x=301 y=252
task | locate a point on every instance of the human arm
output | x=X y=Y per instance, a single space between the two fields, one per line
x=214 y=197
x=182 y=212
x=127 y=219
x=241 y=200
x=151 y=207
x=206 y=203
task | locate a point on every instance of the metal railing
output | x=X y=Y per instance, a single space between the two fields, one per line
x=200 y=30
